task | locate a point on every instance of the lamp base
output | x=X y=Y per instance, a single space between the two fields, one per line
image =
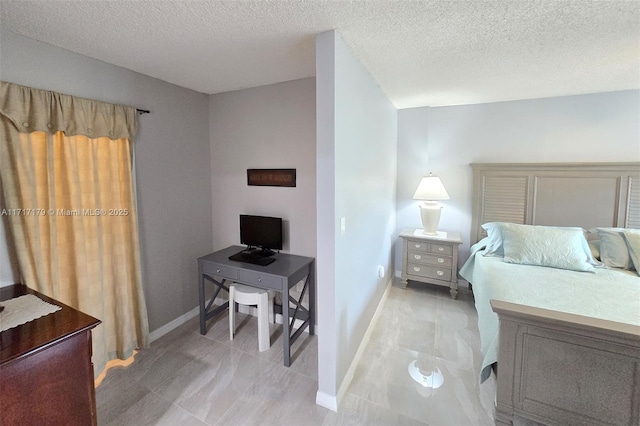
x=430 y=214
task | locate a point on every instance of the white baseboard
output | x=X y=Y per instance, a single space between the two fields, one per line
x=332 y=402
x=327 y=401
x=360 y=352
x=170 y=326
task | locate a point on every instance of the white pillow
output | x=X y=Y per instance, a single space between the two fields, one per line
x=632 y=238
x=613 y=249
x=562 y=248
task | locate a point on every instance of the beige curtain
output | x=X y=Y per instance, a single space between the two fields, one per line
x=66 y=171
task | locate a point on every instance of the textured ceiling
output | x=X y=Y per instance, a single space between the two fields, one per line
x=420 y=52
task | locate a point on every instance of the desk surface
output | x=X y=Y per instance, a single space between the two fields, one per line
x=284 y=265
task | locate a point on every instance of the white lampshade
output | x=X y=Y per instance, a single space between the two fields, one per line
x=431 y=188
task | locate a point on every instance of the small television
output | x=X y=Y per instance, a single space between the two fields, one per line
x=261 y=232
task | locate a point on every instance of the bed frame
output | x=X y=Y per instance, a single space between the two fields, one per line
x=555 y=367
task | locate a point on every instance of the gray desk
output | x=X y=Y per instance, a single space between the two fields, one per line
x=281 y=275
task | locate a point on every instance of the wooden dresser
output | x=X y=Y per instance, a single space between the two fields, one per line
x=430 y=258
x=46 y=374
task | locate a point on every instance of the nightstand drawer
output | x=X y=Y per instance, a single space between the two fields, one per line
x=259 y=279
x=443 y=249
x=429 y=271
x=429 y=259
x=417 y=246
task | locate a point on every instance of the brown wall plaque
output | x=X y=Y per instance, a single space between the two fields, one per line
x=271 y=177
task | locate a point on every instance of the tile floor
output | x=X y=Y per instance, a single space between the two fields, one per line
x=189 y=379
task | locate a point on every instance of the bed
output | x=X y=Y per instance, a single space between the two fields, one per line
x=566 y=343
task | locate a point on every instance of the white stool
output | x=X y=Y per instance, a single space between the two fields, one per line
x=246 y=295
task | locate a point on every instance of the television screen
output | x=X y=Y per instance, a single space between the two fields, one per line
x=261 y=231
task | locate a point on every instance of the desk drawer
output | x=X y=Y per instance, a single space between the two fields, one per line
x=429 y=259
x=260 y=279
x=429 y=271
x=222 y=271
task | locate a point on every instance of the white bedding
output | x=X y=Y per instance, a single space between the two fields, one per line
x=608 y=294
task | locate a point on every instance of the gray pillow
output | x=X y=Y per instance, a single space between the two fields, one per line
x=632 y=238
x=613 y=248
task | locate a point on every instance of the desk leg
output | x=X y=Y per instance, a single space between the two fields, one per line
x=206 y=313
x=286 y=332
x=203 y=313
x=312 y=299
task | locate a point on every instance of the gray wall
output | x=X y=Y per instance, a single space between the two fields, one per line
x=356 y=156
x=267 y=127
x=585 y=128
x=8 y=262
x=173 y=170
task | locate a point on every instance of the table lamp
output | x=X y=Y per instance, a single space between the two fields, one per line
x=430 y=190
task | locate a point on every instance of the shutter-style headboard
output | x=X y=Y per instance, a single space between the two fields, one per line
x=561 y=194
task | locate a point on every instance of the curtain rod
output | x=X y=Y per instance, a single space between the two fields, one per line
x=142 y=111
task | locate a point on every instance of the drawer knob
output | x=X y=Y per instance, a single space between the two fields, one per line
x=417 y=245
x=416 y=269
x=440 y=260
x=440 y=273
x=440 y=248
x=218 y=271
x=417 y=256
x=259 y=280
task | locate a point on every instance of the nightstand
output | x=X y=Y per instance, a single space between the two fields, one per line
x=430 y=258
